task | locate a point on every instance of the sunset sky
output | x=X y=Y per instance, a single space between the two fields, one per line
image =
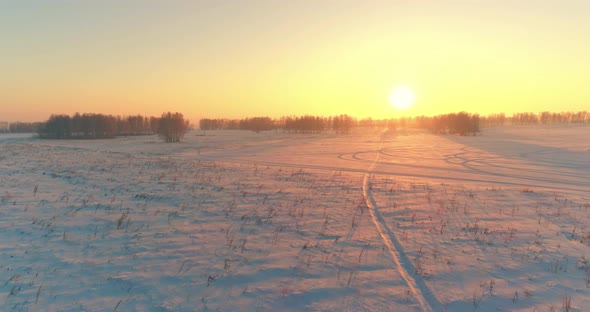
x=232 y=59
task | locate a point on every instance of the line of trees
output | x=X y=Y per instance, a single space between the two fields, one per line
x=343 y=123
x=493 y=120
x=465 y=123
x=461 y=123
x=170 y=126
x=216 y=124
x=291 y=124
x=551 y=118
x=21 y=127
x=456 y=123
x=257 y=124
x=95 y=126
x=536 y=118
x=305 y=124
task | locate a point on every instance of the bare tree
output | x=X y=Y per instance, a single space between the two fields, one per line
x=172 y=126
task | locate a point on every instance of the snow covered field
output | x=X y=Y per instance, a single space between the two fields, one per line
x=239 y=221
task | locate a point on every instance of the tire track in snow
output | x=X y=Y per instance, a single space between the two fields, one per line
x=481 y=178
x=417 y=286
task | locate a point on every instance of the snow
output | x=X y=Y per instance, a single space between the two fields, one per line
x=240 y=221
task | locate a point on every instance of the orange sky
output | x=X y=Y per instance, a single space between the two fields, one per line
x=249 y=58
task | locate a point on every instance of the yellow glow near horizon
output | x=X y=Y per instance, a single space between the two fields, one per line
x=278 y=58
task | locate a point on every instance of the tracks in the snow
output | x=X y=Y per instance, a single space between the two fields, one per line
x=404 y=266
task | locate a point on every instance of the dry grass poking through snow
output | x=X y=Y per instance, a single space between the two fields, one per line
x=236 y=221
x=489 y=248
x=93 y=231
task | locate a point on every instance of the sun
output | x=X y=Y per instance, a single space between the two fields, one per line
x=402 y=97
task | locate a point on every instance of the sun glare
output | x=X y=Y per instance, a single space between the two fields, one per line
x=402 y=97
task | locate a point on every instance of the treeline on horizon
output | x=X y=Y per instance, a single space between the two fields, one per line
x=302 y=124
x=108 y=126
x=456 y=123
x=170 y=126
x=537 y=118
x=461 y=123
x=96 y=126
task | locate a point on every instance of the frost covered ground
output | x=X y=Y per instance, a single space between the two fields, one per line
x=239 y=221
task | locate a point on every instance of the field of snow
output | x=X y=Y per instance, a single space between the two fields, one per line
x=237 y=221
